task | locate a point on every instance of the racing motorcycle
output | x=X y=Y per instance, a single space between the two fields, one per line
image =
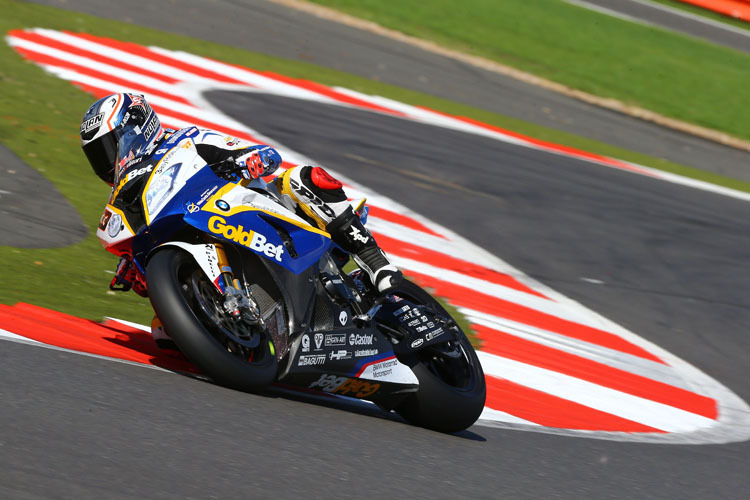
x=253 y=294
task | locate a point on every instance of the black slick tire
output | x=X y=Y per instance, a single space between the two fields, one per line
x=438 y=405
x=165 y=273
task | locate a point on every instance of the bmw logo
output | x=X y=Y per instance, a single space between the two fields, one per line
x=222 y=205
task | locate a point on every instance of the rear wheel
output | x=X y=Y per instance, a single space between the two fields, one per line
x=452 y=389
x=233 y=353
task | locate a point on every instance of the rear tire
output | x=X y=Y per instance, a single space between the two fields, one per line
x=452 y=391
x=169 y=276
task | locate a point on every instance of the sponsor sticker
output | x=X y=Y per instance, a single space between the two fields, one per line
x=151 y=127
x=131 y=175
x=222 y=205
x=401 y=310
x=340 y=354
x=205 y=194
x=305 y=343
x=335 y=339
x=362 y=353
x=92 y=123
x=250 y=239
x=343 y=317
x=104 y=220
x=383 y=369
x=311 y=359
x=435 y=334
x=212 y=259
x=318 y=341
x=345 y=386
x=312 y=198
x=174 y=138
x=417 y=343
x=360 y=339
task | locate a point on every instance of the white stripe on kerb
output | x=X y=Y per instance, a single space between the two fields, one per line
x=500 y=416
x=610 y=357
x=248 y=77
x=121 y=55
x=657 y=415
x=90 y=64
x=546 y=306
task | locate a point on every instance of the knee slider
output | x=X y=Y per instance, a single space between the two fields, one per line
x=320 y=182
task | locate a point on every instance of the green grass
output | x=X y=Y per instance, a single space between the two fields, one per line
x=672 y=74
x=708 y=14
x=39 y=120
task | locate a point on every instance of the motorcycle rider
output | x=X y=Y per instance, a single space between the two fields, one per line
x=121 y=130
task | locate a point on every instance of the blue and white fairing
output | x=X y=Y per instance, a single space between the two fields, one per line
x=182 y=189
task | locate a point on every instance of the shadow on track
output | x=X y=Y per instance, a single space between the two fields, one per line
x=138 y=341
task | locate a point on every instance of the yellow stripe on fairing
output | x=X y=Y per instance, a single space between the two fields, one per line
x=210 y=206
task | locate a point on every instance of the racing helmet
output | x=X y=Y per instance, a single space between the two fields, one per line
x=116 y=130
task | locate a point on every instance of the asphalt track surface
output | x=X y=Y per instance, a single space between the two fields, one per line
x=674 y=262
x=33 y=213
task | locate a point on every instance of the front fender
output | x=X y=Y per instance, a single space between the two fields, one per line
x=204 y=255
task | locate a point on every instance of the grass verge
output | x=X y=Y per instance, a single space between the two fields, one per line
x=669 y=73
x=39 y=120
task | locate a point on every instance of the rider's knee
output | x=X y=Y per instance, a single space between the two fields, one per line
x=320 y=195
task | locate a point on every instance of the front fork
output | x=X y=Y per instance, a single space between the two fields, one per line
x=238 y=303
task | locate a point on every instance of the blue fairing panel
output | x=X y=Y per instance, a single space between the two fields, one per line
x=265 y=233
x=288 y=242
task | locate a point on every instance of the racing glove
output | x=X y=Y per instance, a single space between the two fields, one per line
x=259 y=162
x=127 y=277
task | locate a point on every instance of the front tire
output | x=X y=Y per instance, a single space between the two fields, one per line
x=452 y=389
x=170 y=276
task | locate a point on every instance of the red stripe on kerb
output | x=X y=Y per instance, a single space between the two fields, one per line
x=551 y=411
x=549 y=145
x=400 y=219
x=56 y=44
x=443 y=261
x=478 y=301
x=526 y=351
x=112 y=340
x=140 y=50
x=115 y=81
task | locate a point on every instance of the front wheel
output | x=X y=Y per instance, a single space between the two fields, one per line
x=452 y=389
x=188 y=306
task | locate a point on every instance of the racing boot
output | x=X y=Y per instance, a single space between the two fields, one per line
x=348 y=232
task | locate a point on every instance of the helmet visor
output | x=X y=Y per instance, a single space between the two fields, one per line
x=102 y=154
x=131 y=143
